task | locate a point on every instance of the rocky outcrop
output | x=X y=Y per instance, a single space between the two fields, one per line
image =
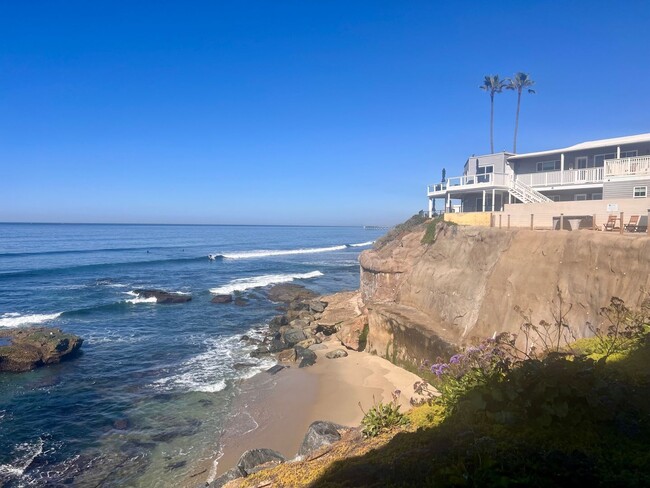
x=422 y=299
x=249 y=463
x=221 y=299
x=320 y=434
x=164 y=297
x=287 y=293
x=25 y=349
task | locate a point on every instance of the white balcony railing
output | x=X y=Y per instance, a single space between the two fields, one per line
x=639 y=165
x=471 y=181
x=558 y=178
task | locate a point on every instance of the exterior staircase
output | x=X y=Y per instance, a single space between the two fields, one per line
x=526 y=194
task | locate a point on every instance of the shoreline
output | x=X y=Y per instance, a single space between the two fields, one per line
x=275 y=411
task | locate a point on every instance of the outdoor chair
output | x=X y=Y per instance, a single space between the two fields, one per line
x=633 y=224
x=611 y=223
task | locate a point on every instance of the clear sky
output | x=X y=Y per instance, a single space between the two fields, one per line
x=293 y=112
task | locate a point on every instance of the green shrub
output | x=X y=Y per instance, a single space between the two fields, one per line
x=383 y=416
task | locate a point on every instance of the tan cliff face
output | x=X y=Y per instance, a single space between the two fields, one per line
x=467 y=283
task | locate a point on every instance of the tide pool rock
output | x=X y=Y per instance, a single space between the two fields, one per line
x=32 y=347
x=287 y=293
x=221 y=299
x=164 y=297
x=319 y=434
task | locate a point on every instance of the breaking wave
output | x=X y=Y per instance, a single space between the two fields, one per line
x=288 y=252
x=243 y=284
x=16 y=319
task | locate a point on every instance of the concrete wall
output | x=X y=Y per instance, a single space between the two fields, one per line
x=472 y=218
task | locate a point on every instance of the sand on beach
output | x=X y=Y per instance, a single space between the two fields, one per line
x=274 y=411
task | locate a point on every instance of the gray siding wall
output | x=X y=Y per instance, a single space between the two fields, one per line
x=497 y=160
x=529 y=165
x=570 y=195
x=623 y=188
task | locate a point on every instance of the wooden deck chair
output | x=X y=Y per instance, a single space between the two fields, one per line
x=611 y=223
x=633 y=224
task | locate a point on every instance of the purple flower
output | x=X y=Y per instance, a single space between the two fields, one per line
x=472 y=350
x=456 y=358
x=439 y=368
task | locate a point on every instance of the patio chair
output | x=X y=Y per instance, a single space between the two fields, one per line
x=633 y=224
x=610 y=225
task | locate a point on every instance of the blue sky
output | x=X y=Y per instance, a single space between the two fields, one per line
x=292 y=112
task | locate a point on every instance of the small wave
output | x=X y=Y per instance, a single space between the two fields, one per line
x=15 y=319
x=243 y=284
x=138 y=299
x=25 y=455
x=288 y=252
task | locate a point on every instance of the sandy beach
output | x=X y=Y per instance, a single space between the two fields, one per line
x=274 y=411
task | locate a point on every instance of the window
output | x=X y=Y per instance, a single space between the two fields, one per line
x=629 y=154
x=555 y=198
x=640 y=191
x=580 y=197
x=482 y=173
x=599 y=159
x=548 y=166
x=582 y=162
x=596 y=196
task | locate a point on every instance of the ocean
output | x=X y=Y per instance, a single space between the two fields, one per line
x=144 y=403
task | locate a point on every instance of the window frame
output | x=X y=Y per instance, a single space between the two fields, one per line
x=645 y=192
x=557 y=166
x=576 y=199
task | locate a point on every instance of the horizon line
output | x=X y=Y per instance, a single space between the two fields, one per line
x=188 y=225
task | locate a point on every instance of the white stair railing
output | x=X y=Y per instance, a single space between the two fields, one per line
x=525 y=193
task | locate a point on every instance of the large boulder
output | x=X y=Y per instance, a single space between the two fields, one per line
x=25 y=349
x=227 y=477
x=163 y=296
x=221 y=299
x=319 y=434
x=293 y=335
x=288 y=293
x=307 y=356
x=255 y=460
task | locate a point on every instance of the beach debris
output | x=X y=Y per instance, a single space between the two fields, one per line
x=337 y=353
x=162 y=296
x=31 y=347
x=275 y=369
x=221 y=299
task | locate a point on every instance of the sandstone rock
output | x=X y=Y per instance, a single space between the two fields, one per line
x=317 y=347
x=319 y=434
x=221 y=299
x=299 y=323
x=287 y=293
x=317 y=306
x=292 y=336
x=337 y=353
x=31 y=347
x=287 y=356
x=307 y=342
x=251 y=461
x=307 y=357
x=351 y=333
x=163 y=296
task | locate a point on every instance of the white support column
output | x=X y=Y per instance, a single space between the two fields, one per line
x=561 y=168
x=483 y=208
x=430 y=207
x=618 y=152
x=493 y=201
x=509 y=197
x=448 y=203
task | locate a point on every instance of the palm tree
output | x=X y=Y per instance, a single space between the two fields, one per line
x=492 y=84
x=519 y=82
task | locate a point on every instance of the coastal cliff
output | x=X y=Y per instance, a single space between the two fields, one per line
x=421 y=299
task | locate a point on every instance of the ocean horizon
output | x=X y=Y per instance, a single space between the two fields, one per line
x=145 y=401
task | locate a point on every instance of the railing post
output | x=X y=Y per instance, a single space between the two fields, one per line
x=622 y=221
x=491 y=219
x=509 y=218
x=648 y=223
x=499 y=221
x=593 y=222
x=561 y=221
x=531 y=221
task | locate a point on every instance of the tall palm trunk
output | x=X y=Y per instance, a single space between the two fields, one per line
x=514 y=146
x=492 y=123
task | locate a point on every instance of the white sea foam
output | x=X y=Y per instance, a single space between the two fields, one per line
x=363 y=244
x=209 y=371
x=15 y=319
x=138 y=299
x=25 y=455
x=243 y=284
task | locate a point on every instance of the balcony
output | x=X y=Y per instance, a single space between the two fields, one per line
x=559 y=178
x=639 y=165
x=470 y=182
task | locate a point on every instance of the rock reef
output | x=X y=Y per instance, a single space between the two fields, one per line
x=28 y=348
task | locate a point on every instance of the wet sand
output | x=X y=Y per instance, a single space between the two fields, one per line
x=274 y=411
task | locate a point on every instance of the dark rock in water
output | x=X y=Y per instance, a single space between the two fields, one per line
x=190 y=428
x=257 y=459
x=31 y=347
x=250 y=340
x=260 y=351
x=307 y=357
x=163 y=296
x=241 y=302
x=293 y=336
x=221 y=299
x=286 y=293
x=204 y=402
x=176 y=465
x=121 y=424
x=319 y=434
x=240 y=366
x=228 y=476
x=276 y=345
x=277 y=322
x=275 y=369
x=337 y=353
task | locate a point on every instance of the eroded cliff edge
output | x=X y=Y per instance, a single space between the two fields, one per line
x=419 y=300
